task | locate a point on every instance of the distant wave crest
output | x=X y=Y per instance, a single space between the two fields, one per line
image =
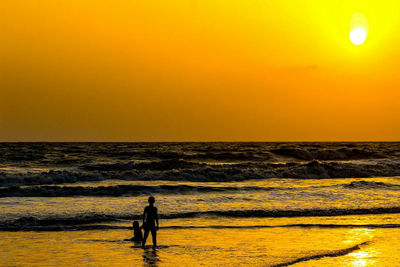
x=60 y=163
x=343 y=153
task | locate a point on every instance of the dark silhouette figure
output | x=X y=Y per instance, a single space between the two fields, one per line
x=150 y=222
x=137 y=232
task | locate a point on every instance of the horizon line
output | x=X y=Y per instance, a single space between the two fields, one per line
x=276 y=141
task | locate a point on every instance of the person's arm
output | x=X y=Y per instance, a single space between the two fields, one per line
x=157 y=218
x=144 y=216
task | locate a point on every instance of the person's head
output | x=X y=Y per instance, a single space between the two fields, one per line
x=135 y=224
x=151 y=200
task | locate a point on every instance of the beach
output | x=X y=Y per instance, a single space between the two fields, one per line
x=234 y=204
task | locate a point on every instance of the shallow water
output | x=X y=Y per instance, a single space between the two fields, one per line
x=202 y=243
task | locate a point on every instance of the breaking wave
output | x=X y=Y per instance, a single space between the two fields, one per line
x=118 y=190
x=162 y=165
x=65 y=153
x=138 y=190
x=371 y=185
x=180 y=170
x=327 y=154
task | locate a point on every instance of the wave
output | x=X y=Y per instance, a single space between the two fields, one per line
x=169 y=164
x=300 y=225
x=137 y=190
x=180 y=170
x=91 y=227
x=343 y=153
x=49 y=152
x=30 y=222
x=118 y=190
x=335 y=253
x=286 y=213
x=371 y=185
x=78 y=162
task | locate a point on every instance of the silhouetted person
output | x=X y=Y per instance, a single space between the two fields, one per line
x=137 y=232
x=150 y=222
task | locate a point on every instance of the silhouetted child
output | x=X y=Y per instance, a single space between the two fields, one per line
x=137 y=232
x=150 y=222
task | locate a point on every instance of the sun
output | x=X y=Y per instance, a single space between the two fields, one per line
x=358 y=28
x=358 y=36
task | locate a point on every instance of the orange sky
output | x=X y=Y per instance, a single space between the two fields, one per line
x=181 y=70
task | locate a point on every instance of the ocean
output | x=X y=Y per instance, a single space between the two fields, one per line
x=223 y=203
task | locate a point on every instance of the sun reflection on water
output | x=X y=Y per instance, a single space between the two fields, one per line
x=359 y=235
x=364 y=256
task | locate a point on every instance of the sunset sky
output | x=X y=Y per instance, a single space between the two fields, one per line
x=206 y=70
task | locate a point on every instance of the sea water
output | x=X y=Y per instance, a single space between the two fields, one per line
x=263 y=204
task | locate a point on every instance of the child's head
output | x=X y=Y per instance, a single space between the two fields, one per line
x=135 y=224
x=151 y=200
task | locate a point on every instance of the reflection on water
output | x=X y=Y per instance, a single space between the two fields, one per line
x=359 y=235
x=361 y=258
x=365 y=256
x=150 y=257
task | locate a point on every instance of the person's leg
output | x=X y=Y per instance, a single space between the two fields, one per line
x=146 y=234
x=154 y=235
